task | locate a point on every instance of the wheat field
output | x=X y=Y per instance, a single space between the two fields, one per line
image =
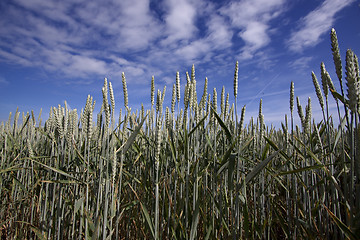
x=191 y=170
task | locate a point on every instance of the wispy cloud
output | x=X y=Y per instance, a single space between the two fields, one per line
x=251 y=18
x=301 y=64
x=315 y=24
x=219 y=32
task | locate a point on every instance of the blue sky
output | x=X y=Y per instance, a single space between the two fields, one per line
x=52 y=51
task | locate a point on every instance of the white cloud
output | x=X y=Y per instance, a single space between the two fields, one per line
x=15 y=59
x=180 y=20
x=246 y=11
x=193 y=51
x=315 y=24
x=138 y=27
x=252 y=19
x=86 y=64
x=255 y=37
x=220 y=35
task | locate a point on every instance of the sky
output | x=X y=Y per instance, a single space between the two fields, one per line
x=52 y=51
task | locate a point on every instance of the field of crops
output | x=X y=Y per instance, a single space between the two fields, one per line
x=193 y=170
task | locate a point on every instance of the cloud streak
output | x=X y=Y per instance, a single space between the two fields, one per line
x=315 y=24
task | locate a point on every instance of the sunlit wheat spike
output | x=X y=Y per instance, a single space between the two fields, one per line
x=163 y=95
x=236 y=79
x=167 y=118
x=242 y=117
x=285 y=130
x=112 y=99
x=352 y=82
x=188 y=80
x=66 y=122
x=142 y=111
x=191 y=96
x=208 y=103
x=106 y=85
x=292 y=97
x=324 y=80
x=74 y=120
x=88 y=115
x=186 y=96
x=31 y=152
x=58 y=120
x=16 y=119
x=300 y=111
x=336 y=54
x=204 y=96
x=178 y=87
x=152 y=91
x=318 y=90
x=197 y=113
x=227 y=105
x=106 y=107
x=180 y=120
x=158 y=101
x=214 y=100
x=194 y=97
x=194 y=94
x=173 y=99
x=126 y=98
x=8 y=123
x=193 y=73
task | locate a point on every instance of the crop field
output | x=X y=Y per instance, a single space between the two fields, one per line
x=192 y=170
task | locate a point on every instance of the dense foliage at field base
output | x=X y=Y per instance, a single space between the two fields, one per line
x=191 y=172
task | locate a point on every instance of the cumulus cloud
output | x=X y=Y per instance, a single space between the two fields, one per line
x=316 y=24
